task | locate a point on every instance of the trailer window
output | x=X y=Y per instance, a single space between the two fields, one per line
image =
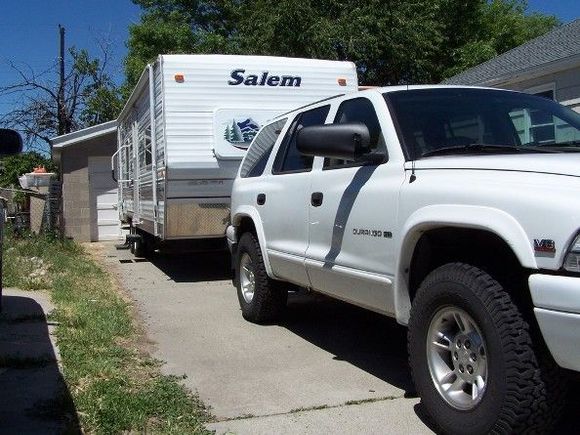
x=145 y=158
x=260 y=149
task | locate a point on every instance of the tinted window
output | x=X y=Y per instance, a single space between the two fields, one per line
x=448 y=121
x=289 y=159
x=358 y=110
x=260 y=149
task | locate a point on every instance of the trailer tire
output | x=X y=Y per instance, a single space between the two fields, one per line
x=261 y=298
x=473 y=360
x=139 y=249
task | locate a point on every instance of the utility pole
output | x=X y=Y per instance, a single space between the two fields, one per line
x=62 y=121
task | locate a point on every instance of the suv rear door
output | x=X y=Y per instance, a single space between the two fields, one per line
x=286 y=201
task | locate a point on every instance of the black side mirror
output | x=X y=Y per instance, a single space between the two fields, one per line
x=335 y=141
x=10 y=142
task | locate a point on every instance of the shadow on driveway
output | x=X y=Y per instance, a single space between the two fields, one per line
x=33 y=395
x=378 y=345
x=374 y=343
x=367 y=340
x=193 y=267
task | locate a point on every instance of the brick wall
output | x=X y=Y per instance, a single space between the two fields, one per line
x=77 y=201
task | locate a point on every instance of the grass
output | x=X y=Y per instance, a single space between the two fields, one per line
x=115 y=386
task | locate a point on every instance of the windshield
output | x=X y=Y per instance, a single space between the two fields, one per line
x=441 y=121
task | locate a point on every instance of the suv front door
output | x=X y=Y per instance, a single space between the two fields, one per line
x=351 y=249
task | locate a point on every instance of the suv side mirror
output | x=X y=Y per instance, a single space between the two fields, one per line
x=335 y=141
x=10 y=142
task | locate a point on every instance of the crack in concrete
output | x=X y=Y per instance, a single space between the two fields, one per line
x=310 y=408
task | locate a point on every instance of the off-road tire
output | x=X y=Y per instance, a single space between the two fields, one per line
x=525 y=390
x=269 y=300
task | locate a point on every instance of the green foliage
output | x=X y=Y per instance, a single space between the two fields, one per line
x=502 y=25
x=116 y=388
x=101 y=98
x=391 y=42
x=12 y=167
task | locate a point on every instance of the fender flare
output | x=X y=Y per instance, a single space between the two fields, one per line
x=250 y=212
x=487 y=219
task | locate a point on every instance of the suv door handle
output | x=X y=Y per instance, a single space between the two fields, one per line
x=316 y=199
x=261 y=199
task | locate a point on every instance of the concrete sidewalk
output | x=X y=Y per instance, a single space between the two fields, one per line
x=33 y=395
x=327 y=368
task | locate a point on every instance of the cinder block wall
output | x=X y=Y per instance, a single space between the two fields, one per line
x=76 y=193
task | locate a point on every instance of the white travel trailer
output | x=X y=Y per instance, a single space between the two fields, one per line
x=186 y=127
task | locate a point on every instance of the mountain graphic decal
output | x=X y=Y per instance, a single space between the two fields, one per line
x=241 y=133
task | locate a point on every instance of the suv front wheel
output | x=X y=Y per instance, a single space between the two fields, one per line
x=261 y=298
x=474 y=363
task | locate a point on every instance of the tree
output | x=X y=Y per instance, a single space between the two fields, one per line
x=90 y=97
x=392 y=41
x=502 y=25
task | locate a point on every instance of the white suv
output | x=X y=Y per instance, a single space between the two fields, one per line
x=454 y=210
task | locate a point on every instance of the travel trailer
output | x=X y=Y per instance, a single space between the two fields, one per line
x=185 y=129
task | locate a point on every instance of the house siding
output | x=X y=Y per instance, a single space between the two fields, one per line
x=567 y=84
x=79 y=212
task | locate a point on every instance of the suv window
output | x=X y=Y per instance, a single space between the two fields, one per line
x=461 y=121
x=357 y=110
x=289 y=159
x=260 y=150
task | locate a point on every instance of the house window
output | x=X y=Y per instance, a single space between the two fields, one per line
x=549 y=94
x=536 y=126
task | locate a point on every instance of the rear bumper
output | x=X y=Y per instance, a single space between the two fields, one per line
x=557 y=310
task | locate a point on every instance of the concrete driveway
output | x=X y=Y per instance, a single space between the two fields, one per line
x=327 y=368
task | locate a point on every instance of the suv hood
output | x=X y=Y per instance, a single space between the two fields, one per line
x=558 y=164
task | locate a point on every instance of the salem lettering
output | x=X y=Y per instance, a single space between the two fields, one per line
x=238 y=77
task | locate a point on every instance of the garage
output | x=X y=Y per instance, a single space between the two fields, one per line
x=89 y=194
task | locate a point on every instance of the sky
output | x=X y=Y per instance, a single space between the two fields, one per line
x=29 y=30
x=29 y=33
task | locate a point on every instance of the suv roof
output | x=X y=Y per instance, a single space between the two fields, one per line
x=381 y=90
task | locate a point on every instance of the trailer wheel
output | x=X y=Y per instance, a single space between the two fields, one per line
x=261 y=299
x=473 y=360
x=139 y=249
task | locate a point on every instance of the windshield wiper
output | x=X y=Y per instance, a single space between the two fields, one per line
x=564 y=146
x=480 y=147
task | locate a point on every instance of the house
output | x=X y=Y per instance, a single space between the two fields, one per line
x=89 y=194
x=548 y=65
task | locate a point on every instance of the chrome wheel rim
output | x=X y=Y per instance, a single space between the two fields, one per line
x=457 y=358
x=247 y=278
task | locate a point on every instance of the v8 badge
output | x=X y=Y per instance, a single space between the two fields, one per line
x=545 y=245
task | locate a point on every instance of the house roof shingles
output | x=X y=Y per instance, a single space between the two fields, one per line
x=559 y=44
